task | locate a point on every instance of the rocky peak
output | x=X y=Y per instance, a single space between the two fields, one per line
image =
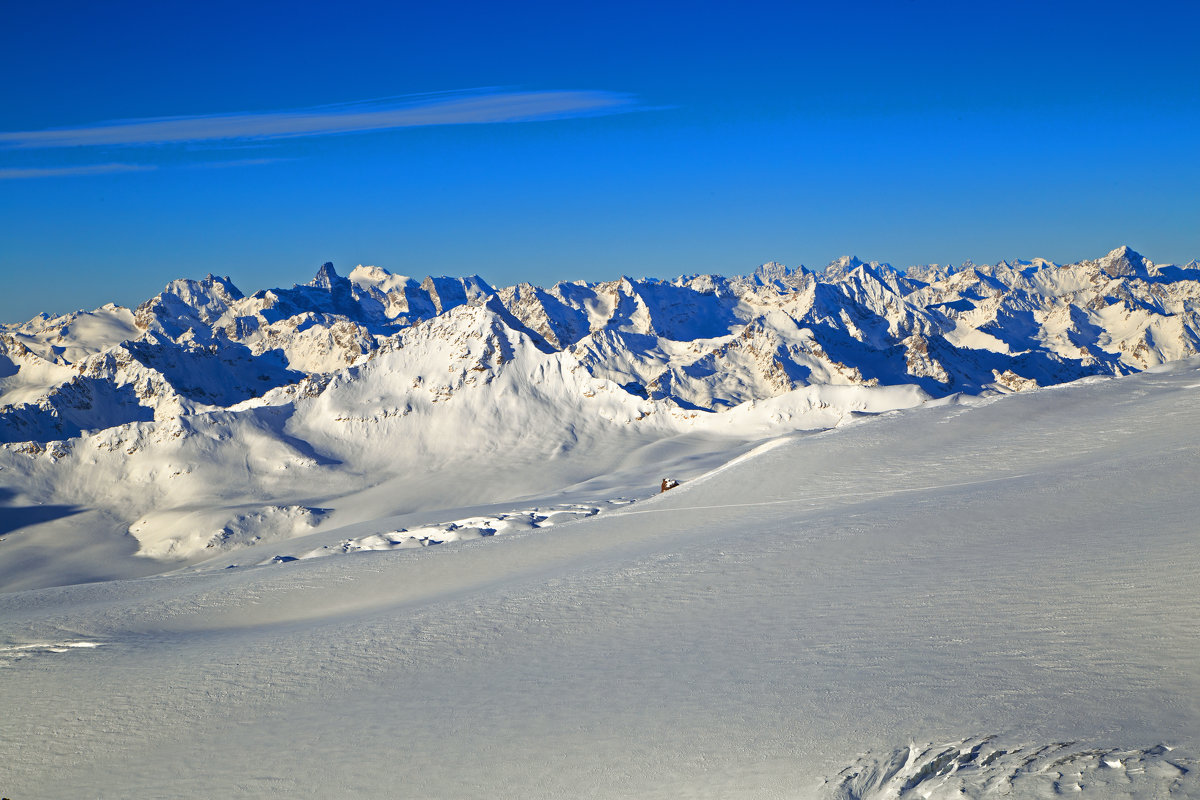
x=327 y=278
x=1124 y=262
x=770 y=272
x=841 y=266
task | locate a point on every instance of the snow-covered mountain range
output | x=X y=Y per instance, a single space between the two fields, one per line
x=204 y=418
x=697 y=343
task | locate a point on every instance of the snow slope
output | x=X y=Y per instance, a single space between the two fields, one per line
x=977 y=597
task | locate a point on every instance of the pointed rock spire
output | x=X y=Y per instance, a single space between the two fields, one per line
x=326 y=278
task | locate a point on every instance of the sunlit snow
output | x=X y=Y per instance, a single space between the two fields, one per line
x=429 y=556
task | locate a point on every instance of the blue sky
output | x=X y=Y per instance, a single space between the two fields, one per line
x=140 y=142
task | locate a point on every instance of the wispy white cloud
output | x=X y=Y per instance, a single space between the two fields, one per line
x=463 y=108
x=241 y=162
x=16 y=173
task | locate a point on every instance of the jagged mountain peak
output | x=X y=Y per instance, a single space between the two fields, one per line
x=447 y=292
x=1123 y=262
x=327 y=278
x=845 y=266
x=845 y=263
x=772 y=275
x=1124 y=251
x=205 y=290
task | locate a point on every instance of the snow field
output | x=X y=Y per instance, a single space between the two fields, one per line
x=1018 y=568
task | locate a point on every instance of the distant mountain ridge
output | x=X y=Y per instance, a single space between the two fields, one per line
x=702 y=343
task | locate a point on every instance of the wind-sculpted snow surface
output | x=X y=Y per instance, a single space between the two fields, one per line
x=987 y=767
x=206 y=410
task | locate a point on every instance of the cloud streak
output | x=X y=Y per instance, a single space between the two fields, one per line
x=17 y=173
x=463 y=108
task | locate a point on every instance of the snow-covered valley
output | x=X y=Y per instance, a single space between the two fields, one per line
x=935 y=536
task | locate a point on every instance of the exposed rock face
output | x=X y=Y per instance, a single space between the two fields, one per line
x=702 y=343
